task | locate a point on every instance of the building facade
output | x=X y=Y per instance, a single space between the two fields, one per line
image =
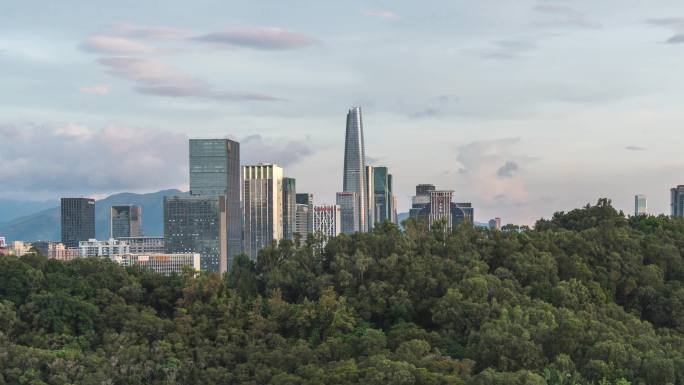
x=125 y=221
x=305 y=212
x=370 y=197
x=354 y=174
x=108 y=249
x=440 y=207
x=640 y=205
x=495 y=224
x=289 y=208
x=197 y=224
x=462 y=212
x=349 y=209
x=165 y=264
x=327 y=220
x=215 y=171
x=263 y=200
x=677 y=201
x=77 y=220
x=144 y=245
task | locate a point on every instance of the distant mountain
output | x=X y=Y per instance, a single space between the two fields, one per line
x=11 y=209
x=44 y=225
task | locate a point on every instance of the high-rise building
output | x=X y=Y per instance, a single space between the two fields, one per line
x=420 y=203
x=462 y=212
x=77 y=220
x=327 y=220
x=305 y=212
x=124 y=221
x=677 y=201
x=495 y=224
x=108 y=249
x=640 y=207
x=197 y=224
x=215 y=171
x=370 y=196
x=145 y=245
x=289 y=208
x=392 y=202
x=349 y=209
x=382 y=194
x=263 y=200
x=355 y=164
x=440 y=207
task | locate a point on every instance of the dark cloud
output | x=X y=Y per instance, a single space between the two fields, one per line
x=260 y=38
x=676 y=39
x=156 y=78
x=256 y=149
x=507 y=170
x=635 y=148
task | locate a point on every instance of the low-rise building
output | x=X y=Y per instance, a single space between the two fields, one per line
x=165 y=264
x=144 y=245
x=109 y=248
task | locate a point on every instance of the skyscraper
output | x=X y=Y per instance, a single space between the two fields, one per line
x=355 y=164
x=197 y=224
x=349 y=209
x=462 y=212
x=305 y=213
x=420 y=204
x=640 y=207
x=77 y=220
x=495 y=223
x=124 y=221
x=440 y=207
x=384 y=201
x=289 y=208
x=370 y=196
x=263 y=200
x=215 y=171
x=327 y=220
x=677 y=201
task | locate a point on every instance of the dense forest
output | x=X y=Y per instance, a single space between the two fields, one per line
x=587 y=297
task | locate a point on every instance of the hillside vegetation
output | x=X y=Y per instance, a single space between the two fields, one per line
x=586 y=297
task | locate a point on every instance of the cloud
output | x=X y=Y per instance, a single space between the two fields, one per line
x=559 y=14
x=508 y=49
x=482 y=175
x=676 y=24
x=100 y=89
x=256 y=149
x=147 y=32
x=113 y=45
x=84 y=160
x=635 y=148
x=259 y=38
x=156 y=78
x=507 y=170
x=383 y=14
x=676 y=39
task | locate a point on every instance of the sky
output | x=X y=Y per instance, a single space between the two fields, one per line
x=523 y=108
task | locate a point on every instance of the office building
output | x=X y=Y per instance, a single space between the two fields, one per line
x=215 y=171
x=197 y=224
x=305 y=212
x=263 y=200
x=289 y=208
x=370 y=197
x=640 y=206
x=77 y=220
x=354 y=179
x=462 y=212
x=385 y=205
x=108 y=249
x=677 y=201
x=440 y=207
x=495 y=224
x=165 y=264
x=391 y=199
x=349 y=209
x=125 y=221
x=430 y=204
x=144 y=245
x=327 y=220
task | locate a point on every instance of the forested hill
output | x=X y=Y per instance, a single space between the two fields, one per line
x=586 y=297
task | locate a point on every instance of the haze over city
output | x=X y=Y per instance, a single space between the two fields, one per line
x=522 y=108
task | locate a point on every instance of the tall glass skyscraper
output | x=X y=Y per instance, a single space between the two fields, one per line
x=124 y=221
x=370 y=196
x=263 y=197
x=289 y=208
x=677 y=201
x=349 y=208
x=355 y=164
x=78 y=220
x=640 y=207
x=215 y=171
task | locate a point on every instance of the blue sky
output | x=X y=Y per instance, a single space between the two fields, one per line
x=522 y=107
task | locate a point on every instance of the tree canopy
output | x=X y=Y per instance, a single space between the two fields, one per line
x=586 y=297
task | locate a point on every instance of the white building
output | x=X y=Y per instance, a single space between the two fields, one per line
x=165 y=264
x=263 y=200
x=327 y=220
x=3 y=242
x=110 y=248
x=144 y=245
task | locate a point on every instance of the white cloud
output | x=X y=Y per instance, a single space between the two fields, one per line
x=100 y=89
x=260 y=38
x=113 y=45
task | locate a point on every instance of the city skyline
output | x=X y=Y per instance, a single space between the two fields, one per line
x=549 y=92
